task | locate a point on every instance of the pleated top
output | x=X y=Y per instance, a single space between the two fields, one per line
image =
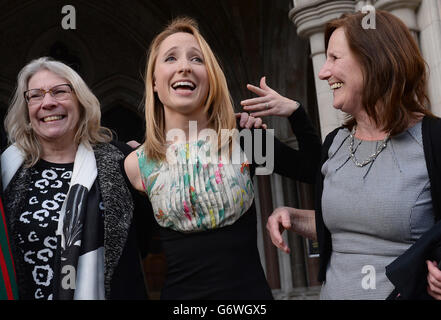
x=195 y=189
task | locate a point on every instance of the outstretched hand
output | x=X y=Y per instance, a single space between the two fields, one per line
x=269 y=102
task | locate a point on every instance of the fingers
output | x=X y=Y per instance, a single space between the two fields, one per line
x=260 y=103
x=431 y=266
x=286 y=221
x=254 y=123
x=260 y=114
x=250 y=122
x=433 y=294
x=247 y=121
x=249 y=103
x=256 y=90
x=262 y=107
x=258 y=123
x=434 y=272
x=277 y=240
x=277 y=222
x=243 y=119
x=263 y=84
x=434 y=280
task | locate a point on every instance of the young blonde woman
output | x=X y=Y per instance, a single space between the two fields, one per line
x=204 y=205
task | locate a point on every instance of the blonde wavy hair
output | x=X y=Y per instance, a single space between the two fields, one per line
x=218 y=105
x=89 y=130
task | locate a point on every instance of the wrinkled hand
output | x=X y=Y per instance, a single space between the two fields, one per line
x=434 y=280
x=247 y=121
x=269 y=102
x=279 y=221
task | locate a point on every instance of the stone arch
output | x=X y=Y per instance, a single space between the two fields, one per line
x=121 y=99
x=120 y=87
x=67 y=47
x=124 y=122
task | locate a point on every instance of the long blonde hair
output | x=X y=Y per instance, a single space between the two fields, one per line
x=17 y=120
x=218 y=107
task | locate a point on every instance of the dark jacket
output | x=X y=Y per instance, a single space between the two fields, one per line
x=300 y=164
x=408 y=273
x=411 y=264
x=123 y=245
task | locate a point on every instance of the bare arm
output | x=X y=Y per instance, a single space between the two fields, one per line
x=285 y=218
x=132 y=170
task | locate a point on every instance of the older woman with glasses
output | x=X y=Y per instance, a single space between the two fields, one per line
x=69 y=210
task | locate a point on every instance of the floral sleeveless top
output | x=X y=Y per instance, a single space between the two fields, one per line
x=192 y=191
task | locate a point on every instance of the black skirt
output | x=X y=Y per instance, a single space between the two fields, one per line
x=219 y=264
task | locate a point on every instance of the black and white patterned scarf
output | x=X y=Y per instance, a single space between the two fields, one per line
x=78 y=273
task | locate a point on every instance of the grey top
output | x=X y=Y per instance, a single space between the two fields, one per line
x=374 y=213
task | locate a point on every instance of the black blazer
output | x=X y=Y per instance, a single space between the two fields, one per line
x=408 y=273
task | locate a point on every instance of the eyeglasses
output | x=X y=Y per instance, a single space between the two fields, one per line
x=60 y=92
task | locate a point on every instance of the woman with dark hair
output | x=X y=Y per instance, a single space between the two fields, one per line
x=378 y=187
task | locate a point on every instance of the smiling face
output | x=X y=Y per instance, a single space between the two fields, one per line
x=53 y=121
x=180 y=76
x=344 y=74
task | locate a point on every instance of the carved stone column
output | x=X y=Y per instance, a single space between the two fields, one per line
x=403 y=9
x=429 y=22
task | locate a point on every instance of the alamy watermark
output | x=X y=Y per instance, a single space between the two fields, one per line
x=69 y=21
x=368 y=21
x=68 y=282
x=369 y=280
x=211 y=148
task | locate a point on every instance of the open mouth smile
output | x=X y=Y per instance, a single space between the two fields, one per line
x=336 y=85
x=52 y=118
x=184 y=84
